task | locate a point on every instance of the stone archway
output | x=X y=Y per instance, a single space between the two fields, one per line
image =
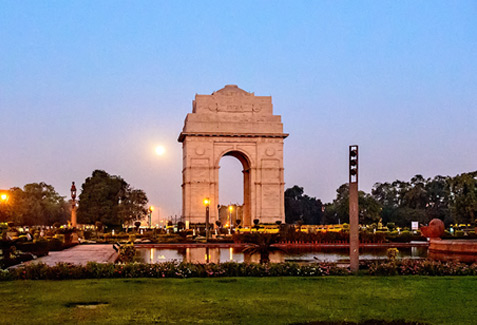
x=247 y=189
x=233 y=122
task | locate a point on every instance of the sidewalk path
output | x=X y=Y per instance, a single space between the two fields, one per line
x=80 y=254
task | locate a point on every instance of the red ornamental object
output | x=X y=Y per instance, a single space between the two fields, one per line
x=434 y=230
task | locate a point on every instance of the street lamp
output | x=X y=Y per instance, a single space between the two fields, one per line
x=73 y=205
x=207 y=204
x=151 y=208
x=230 y=217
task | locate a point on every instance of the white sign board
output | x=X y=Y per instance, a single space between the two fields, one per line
x=414 y=225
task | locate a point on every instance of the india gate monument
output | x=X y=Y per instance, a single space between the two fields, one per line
x=233 y=122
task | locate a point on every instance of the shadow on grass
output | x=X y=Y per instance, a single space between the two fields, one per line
x=366 y=322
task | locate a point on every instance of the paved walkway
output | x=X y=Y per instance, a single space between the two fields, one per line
x=80 y=254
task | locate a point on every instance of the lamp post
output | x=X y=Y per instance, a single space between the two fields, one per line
x=151 y=208
x=207 y=204
x=230 y=218
x=73 y=205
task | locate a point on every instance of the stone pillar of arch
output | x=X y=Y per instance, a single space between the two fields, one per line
x=237 y=123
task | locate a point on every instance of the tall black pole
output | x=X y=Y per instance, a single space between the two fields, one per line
x=353 y=209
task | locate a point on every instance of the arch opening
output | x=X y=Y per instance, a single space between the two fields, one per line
x=234 y=189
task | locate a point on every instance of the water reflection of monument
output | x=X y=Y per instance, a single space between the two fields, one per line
x=222 y=255
x=203 y=255
x=235 y=254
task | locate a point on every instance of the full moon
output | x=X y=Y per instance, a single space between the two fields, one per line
x=160 y=150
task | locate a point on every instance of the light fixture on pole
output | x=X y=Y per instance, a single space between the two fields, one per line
x=231 y=208
x=207 y=204
x=73 y=205
x=151 y=208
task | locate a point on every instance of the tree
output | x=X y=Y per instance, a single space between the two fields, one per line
x=338 y=210
x=416 y=195
x=110 y=200
x=36 y=204
x=463 y=197
x=438 y=196
x=133 y=205
x=418 y=200
x=301 y=207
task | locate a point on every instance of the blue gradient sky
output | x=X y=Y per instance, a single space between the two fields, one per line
x=90 y=85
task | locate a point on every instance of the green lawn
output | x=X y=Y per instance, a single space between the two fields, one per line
x=433 y=300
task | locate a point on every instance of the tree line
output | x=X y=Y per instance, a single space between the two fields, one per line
x=104 y=198
x=109 y=199
x=35 y=204
x=451 y=199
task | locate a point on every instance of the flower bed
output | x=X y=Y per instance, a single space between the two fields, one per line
x=64 y=271
x=421 y=267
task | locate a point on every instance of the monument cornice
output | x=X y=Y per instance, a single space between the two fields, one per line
x=183 y=135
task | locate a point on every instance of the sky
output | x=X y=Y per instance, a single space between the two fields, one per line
x=88 y=85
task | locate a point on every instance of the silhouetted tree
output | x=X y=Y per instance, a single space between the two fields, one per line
x=338 y=210
x=109 y=199
x=463 y=198
x=299 y=206
x=35 y=204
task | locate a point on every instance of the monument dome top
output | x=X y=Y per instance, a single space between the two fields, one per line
x=232 y=90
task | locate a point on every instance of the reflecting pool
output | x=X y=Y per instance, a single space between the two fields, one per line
x=234 y=254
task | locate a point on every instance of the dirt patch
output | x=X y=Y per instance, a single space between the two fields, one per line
x=86 y=304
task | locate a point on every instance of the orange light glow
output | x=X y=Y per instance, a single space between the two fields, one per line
x=4 y=197
x=206 y=201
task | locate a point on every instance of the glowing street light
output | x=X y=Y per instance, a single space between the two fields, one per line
x=230 y=209
x=207 y=204
x=73 y=205
x=151 y=208
x=3 y=197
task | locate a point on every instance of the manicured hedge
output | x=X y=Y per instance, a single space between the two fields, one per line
x=64 y=271
x=421 y=267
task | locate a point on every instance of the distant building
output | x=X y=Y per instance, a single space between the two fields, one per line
x=231 y=213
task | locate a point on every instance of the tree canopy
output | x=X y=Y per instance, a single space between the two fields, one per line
x=35 y=204
x=451 y=199
x=110 y=200
x=338 y=210
x=300 y=207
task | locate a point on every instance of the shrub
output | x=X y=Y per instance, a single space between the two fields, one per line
x=421 y=267
x=185 y=270
x=392 y=253
x=167 y=270
x=127 y=253
x=391 y=226
x=59 y=237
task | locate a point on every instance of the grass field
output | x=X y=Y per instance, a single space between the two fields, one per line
x=433 y=300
